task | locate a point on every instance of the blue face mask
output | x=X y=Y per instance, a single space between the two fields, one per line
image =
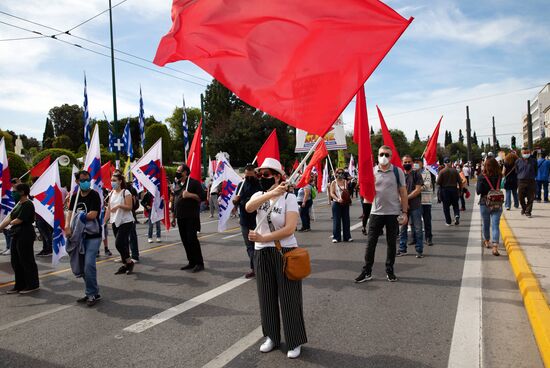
x=85 y=185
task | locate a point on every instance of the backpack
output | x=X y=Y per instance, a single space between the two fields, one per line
x=313 y=192
x=396 y=173
x=495 y=197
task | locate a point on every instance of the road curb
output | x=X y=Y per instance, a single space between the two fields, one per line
x=534 y=300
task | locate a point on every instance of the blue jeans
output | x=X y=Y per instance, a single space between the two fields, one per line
x=304 y=214
x=340 y=218
x=415 y=219
x=46 y=232
x=509 y=194
x=427 y=219
x=542 y=185
x=491 y=221
x=150 y=233
x=91 y=247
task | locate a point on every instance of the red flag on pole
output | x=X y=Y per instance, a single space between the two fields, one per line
x=106 y=171
x=273 y=54
x=270 y=148
x=320 y=153
x=194 y=157
x=165 y=197
x=430 y=154
x=319 y=175
x=361 y=136
x=40 y=167
x=388 y=141
x=296 y=164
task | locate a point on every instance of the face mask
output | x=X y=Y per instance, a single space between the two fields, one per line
x=16 y=196
x=85 y=185
x=416 y=166
x=178 y=175
x=340 y=176
x=267 y=183
x=526 y=155
x=407 y=167
x=115 y=184
x=384 y=160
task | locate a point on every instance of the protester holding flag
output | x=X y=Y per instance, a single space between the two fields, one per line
x=187 y=205
x=119 y=213
x=247 y=220
x=341 y=200
x=274 y=288
x=86 y=205
x=22 y=239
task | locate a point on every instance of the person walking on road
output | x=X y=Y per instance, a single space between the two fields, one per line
x=543 y=171
x=188 y=218
x=467 y=172
x=526 y=168
x=450 y=184
x=341 y=200
x=510 y=180
x=426 y=199
x=413 y=182
x=119 y=214
x=22 y=234
x=389 y=209
x=490 y=212
x=273 y=238
x=147 y=203
x=212 y=199
x=305 y=202
x=250 y=186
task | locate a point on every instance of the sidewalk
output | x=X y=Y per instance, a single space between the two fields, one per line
x=527 y=241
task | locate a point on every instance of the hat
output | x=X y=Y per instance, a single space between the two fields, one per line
x=446 y=160
x=273 y=164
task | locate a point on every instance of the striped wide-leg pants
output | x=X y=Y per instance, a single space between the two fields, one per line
x=275 y=290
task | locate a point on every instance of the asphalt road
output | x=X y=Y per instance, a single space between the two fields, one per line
x=212 y=317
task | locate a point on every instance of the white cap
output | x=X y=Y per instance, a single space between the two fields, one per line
x=273 y=164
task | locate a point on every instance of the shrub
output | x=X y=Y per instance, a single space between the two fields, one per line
x=55 y=153
x=17 y=165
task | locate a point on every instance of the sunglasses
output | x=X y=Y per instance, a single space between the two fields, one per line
x=267 y=174
x=84 y=180
x=384 y=154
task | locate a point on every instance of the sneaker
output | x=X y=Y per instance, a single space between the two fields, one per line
x=159 y=240
x=92 y=300
x=419 y=255
x=350 y=240
x=135 y=260
x=47 y=253
x=267 y=346
x=401 y=253
x=40 y=254
x=117 y=260
x=13 y=291
x=429 y=242
x=250 y=275
x=198 y=268
x=301 y=230
x=364 y=276
x=447 y=224
x=335 y=240
x=188 y=267
x=29 y=290
x=391 y=277
x=108 y=253
x=149 y=240
x=295 y=353
x=507 y=208
x=129 y=268
x=457 y=220
x=7 y=252
x=121 y=270
x=84 y=299
x=528 y=215
x=522 y=212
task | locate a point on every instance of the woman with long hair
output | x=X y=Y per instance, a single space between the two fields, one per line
x=341 y=200
x=510 y=180
x=487 y=181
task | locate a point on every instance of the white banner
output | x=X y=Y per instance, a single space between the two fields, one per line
x=334 y=139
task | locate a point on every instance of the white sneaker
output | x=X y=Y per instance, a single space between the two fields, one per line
x=334 y=241
x=149 y=240
x=268 y=345
x=293 y=354
x=7 y=252
x=159 y=240
x=135 y=260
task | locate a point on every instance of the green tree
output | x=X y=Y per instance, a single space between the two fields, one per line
x=460 y=136
x=16 y=164
x=543 y=144
x=54 y=153
x=371 y=130
x=68 y=120
x=62 y=141
x=8 y=140
x=416 y=136
x=49 y=134
x=399 y=139
x=474 y=139
x=176 y=128
x=152 y=135
x=456 y=151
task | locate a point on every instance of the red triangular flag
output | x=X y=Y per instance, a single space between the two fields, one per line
x=388 y=141
x=430 y=154
x=194 y=157
x=40 y=167
x=165 y=197
x=270 y=148
x=273 y=54
x=319 y=175
x=361 y=136
x=320 y=153
x=296 y=164
x=106 y=171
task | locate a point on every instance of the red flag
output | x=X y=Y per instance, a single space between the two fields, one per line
x=194 y=157
x=361 y=136
x=40 y=167
x=106 y=171
x=430 y=154
x=320 y=153
x=319 y=176
x=165 y=197
x=273 y=54
x=270 y=149
x=388 y=141
x=296 y=164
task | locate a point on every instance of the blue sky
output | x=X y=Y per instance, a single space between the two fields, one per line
x=455 y=50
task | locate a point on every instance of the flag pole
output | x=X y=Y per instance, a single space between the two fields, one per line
x=190 y=170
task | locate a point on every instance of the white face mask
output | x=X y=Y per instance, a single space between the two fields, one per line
x=383 y=160
x=526 y=155
x=416 y=166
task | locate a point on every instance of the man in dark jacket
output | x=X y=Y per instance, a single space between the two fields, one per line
x=526 y=169
x=187 y=212
x=450 y=184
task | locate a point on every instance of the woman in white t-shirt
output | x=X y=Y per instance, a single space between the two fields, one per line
x=119 y=213
x=273 y=286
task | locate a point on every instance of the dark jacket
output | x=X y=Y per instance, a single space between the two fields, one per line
x=526 y=168
x=511 y=182
x=483 y=186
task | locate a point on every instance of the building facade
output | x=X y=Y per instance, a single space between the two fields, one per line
x=540 y=115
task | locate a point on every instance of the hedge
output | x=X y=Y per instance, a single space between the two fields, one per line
x=16 y=165
x=55 y=153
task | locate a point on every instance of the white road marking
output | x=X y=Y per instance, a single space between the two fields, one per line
x=235 y=349
x=34 y=316
x=467 y=343
x=185 y=306
x=208 y=222
x=354 y=227
x=231 y=236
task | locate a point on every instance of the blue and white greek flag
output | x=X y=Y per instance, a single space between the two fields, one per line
x=128 y=140
x=141 y=120
x=185 y=131
x=112 y=138
x=86 y=116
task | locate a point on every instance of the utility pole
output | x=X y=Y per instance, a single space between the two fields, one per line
x=468 y=135
x=115 y=122
x=494 y=136
x=204 y=157
x=529 y=127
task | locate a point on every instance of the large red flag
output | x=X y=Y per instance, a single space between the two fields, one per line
x=361 y=136
x=430 y=154
x=270 y=149
x=106 y=172
x=40 y=167
x=274 y=54
x=388 y=141
x=194 y=157
x=319 y=154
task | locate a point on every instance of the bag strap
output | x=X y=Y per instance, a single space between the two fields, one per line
x=396 y=173
x=491 y=185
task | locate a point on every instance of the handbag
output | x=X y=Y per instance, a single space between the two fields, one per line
x=296 y=262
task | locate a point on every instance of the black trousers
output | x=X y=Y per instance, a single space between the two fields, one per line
x=376 y=224
x=22 y=260
x=188 y=233
x=366 y=212
x=122 y=239
x=275 y=290
x=249 y=244
x=449 y=197
x=46 y=232
x=526 y=194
